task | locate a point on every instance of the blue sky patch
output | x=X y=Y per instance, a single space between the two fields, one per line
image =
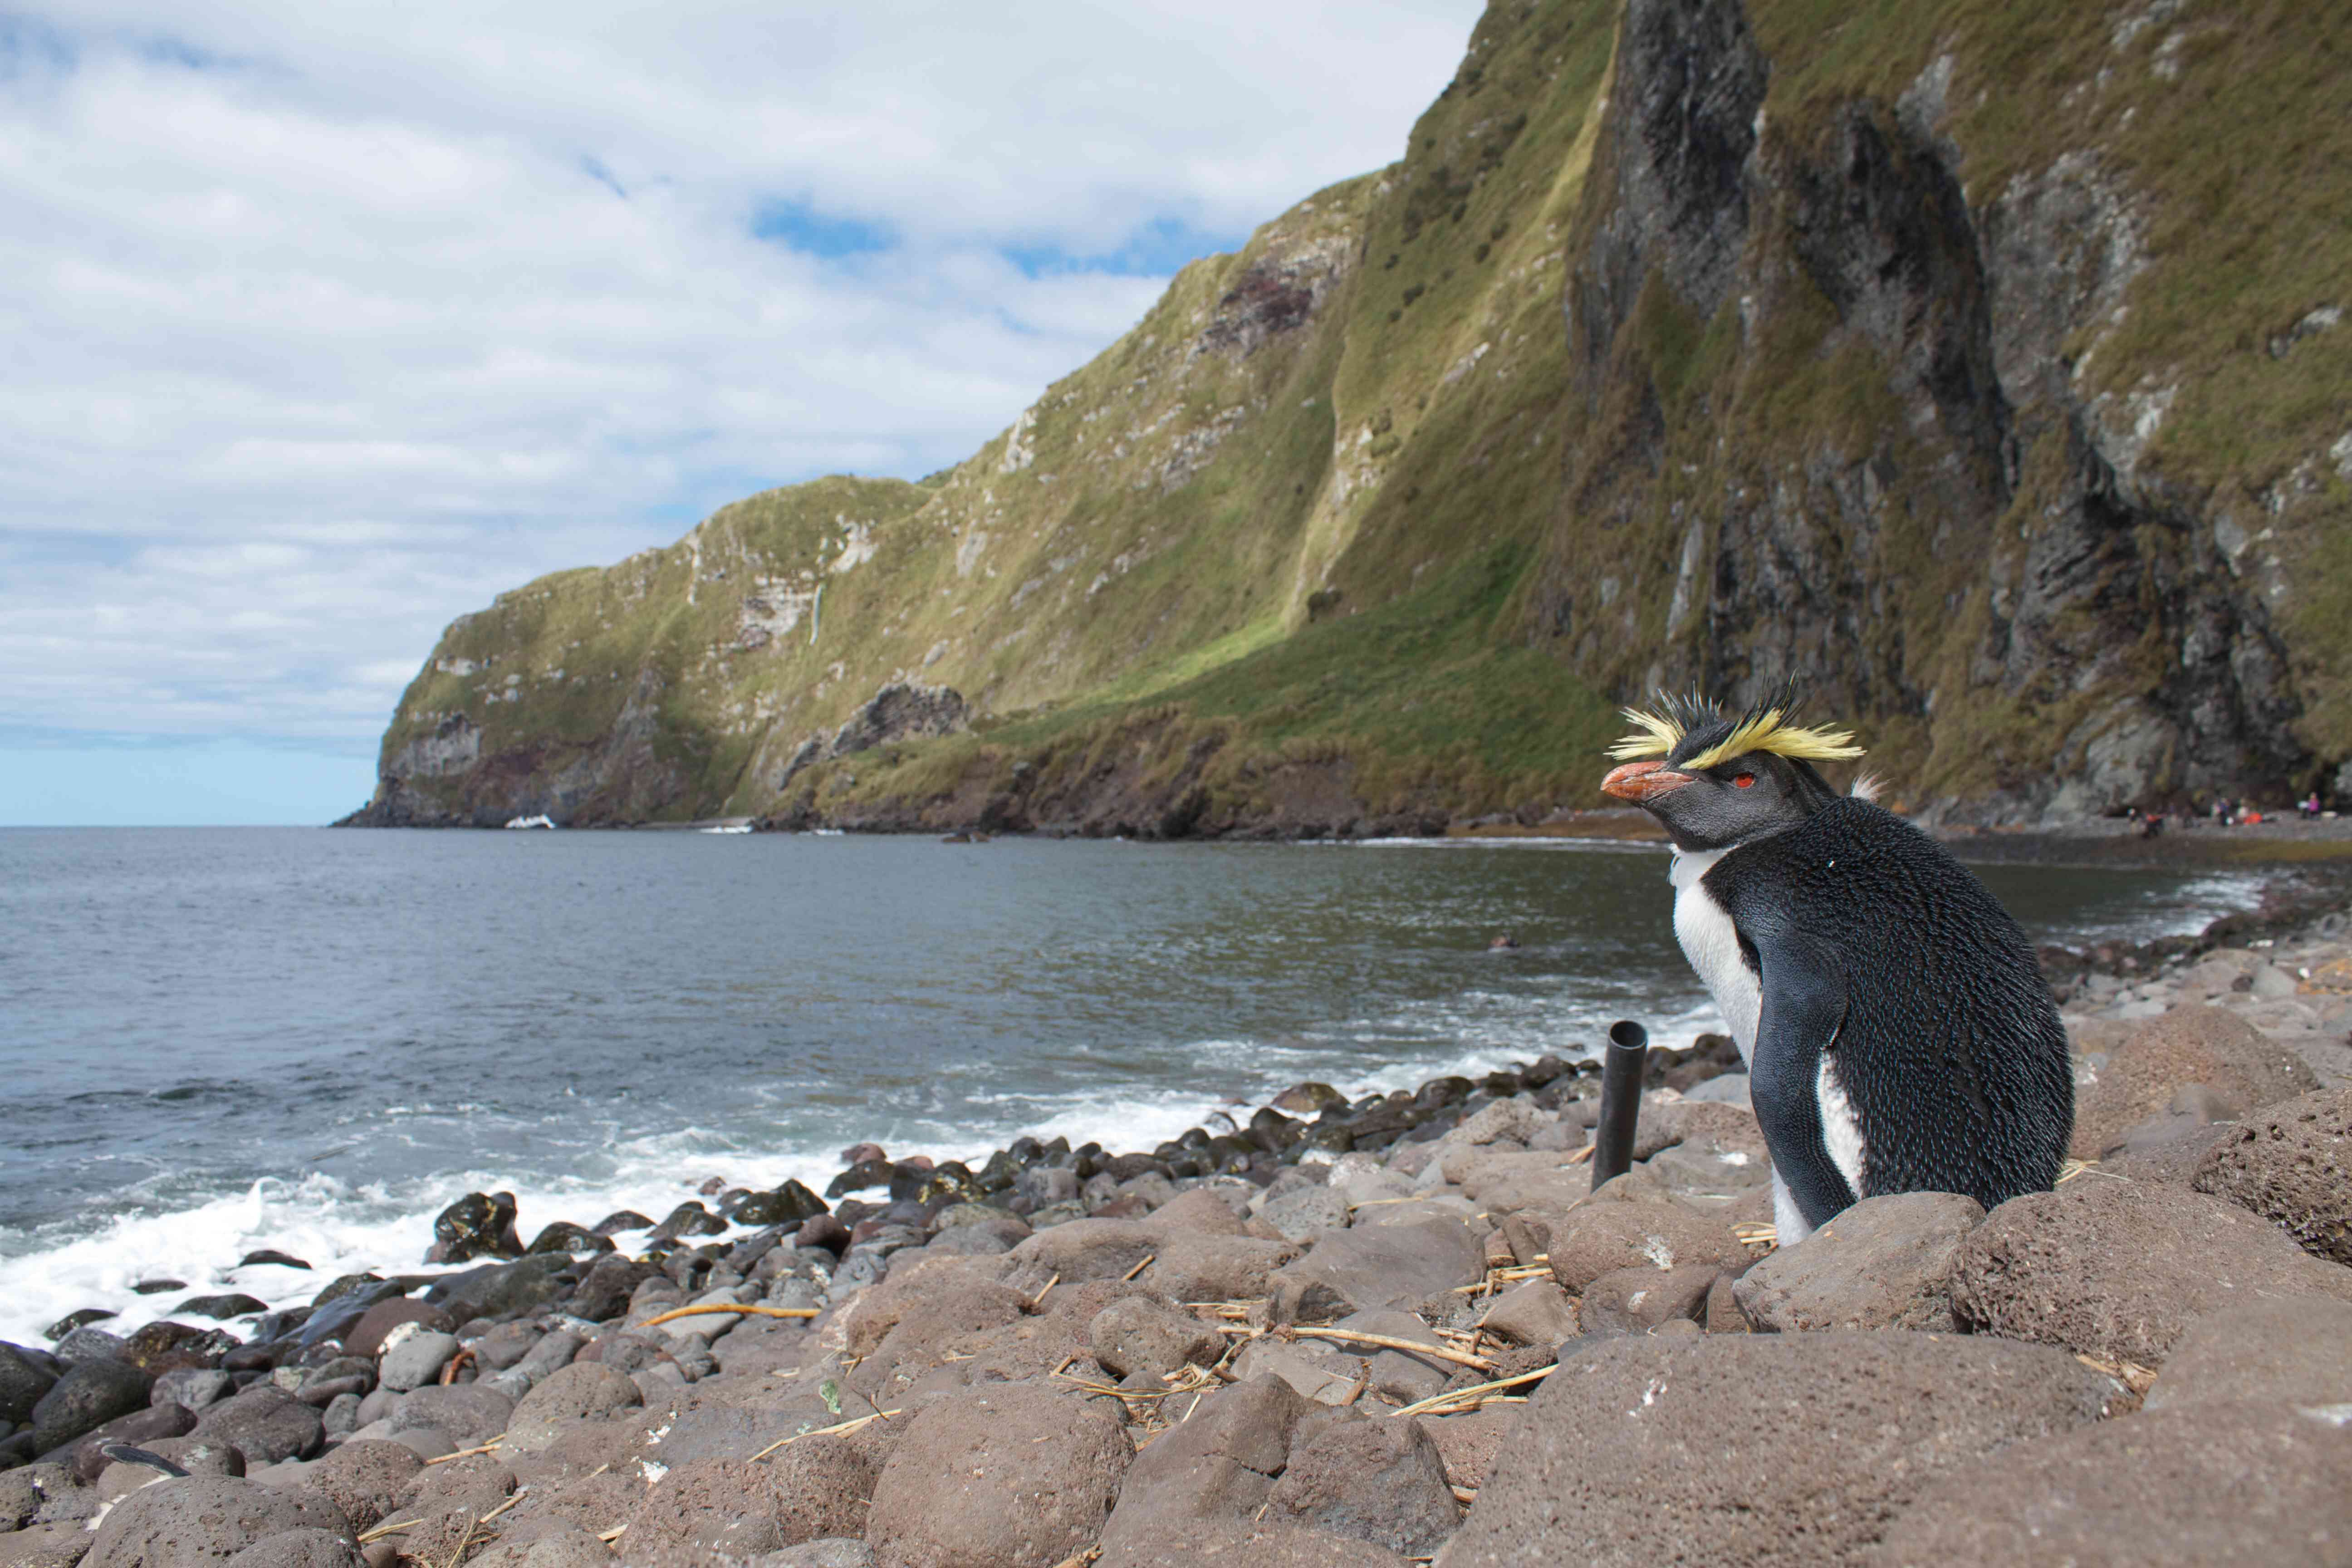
x=797 y=226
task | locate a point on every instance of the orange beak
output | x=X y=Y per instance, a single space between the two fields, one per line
x=1643 y=783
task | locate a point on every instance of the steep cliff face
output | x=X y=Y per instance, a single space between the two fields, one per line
x=1858 y=400
x=1979 y=362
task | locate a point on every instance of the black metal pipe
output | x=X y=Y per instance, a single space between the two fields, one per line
x=1621 y=1061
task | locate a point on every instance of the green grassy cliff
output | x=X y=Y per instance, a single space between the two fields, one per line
x=1979 y=362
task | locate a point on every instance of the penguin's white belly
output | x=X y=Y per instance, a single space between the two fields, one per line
x=1708 y=940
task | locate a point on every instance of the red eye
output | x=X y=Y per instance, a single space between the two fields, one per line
x=1743 y=781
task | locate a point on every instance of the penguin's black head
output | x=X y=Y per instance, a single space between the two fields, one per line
x=1715 y=779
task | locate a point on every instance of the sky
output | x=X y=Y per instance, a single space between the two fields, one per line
x=325 y=324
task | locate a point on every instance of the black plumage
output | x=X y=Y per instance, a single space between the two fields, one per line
x=1870 y=941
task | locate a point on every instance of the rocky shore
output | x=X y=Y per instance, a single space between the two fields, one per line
x=1326 y=1334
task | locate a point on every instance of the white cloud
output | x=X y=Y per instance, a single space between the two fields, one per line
x=326 y=324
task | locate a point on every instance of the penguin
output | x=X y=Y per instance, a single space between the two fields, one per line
x=1897 y=1032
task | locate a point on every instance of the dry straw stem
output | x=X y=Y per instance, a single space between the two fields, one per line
x=1081 y=1559
x=1757 y=1232
x=469 y=1453
x=1149 y=1260
x=720 y=1307
x=389 y=1527
x=1039 y=1299
x=1476 y=1391
x=837 y=1429
x=1390 y=1342
x=2130 y=1374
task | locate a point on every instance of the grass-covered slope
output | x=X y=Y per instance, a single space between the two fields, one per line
x=1977 y=360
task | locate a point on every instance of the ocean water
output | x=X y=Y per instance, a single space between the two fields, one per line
x=217 y=1040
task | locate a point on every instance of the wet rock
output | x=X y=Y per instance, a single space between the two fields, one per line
x=578 y=1392
x=72 y=1321
x=205 y=1519
x=991 y=1477
x=567 y=1237
x=1310 y=1099
x=2116 y=1269
x=236 y=1304
x=1142 y=1335
x=2189 y=1044
x=271 y=1255
x=2212 y=1483
x=479 y=1224
x=1810 y=1442
x=86 y=1343
x=157 y=1286
x=1885 y=1263
x=415 y=1359
x=2292 y=1164
x=621 y=1223
x=2296 y=1351
x=1605 y=1236
x=25 y=1374
x=89 y=1394
x=1378 y=1480
x=1533 y=1312
x=1641 y=1298
x=790 y=1204
x=501 y=1289
x=265 y=1422
x=1383 y=1265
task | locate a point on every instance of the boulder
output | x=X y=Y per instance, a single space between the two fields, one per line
x=416 y=1359
x=1208 y=1209
x=468 y=1414
x=1786 y=1450
x=1469 y=1442
x=44 y=1546
x=1638 y=1300
x=2209 y=1484
x=501 y=1289
x=2117 y=1270
x=2292 y=1164
x=25 y=1374
x=1533 y=1312
x=1378 y=1479
x=205 y=1519
x=89 y=1394
x=2295 y=1352
x=308 y=1547
x=1604 y=1237
x=581 y=1391
x=193 y=1387
x=1885 y=1263
x=263 y=1423
x=366 y=1336
x=993 y=1477
x=1379 y=1266
x=1399 y=1375
x=2189 y=1044
x=1087 y=1250
x=364 y=1479
x=1267 y=1543
x=139 y=1429
x=1139 y=1334
x=1216 y=1466
x=1316 y=1370
x=1196 y=1266
x=1300 y=1213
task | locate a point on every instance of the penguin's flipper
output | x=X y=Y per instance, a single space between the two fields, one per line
x=1804 y=1006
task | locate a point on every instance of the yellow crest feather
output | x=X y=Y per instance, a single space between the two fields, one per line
x=1770 y=726
x=1658 y=737
x=1771 y=732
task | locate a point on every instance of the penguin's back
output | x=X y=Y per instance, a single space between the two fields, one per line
x=1951 y=1053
